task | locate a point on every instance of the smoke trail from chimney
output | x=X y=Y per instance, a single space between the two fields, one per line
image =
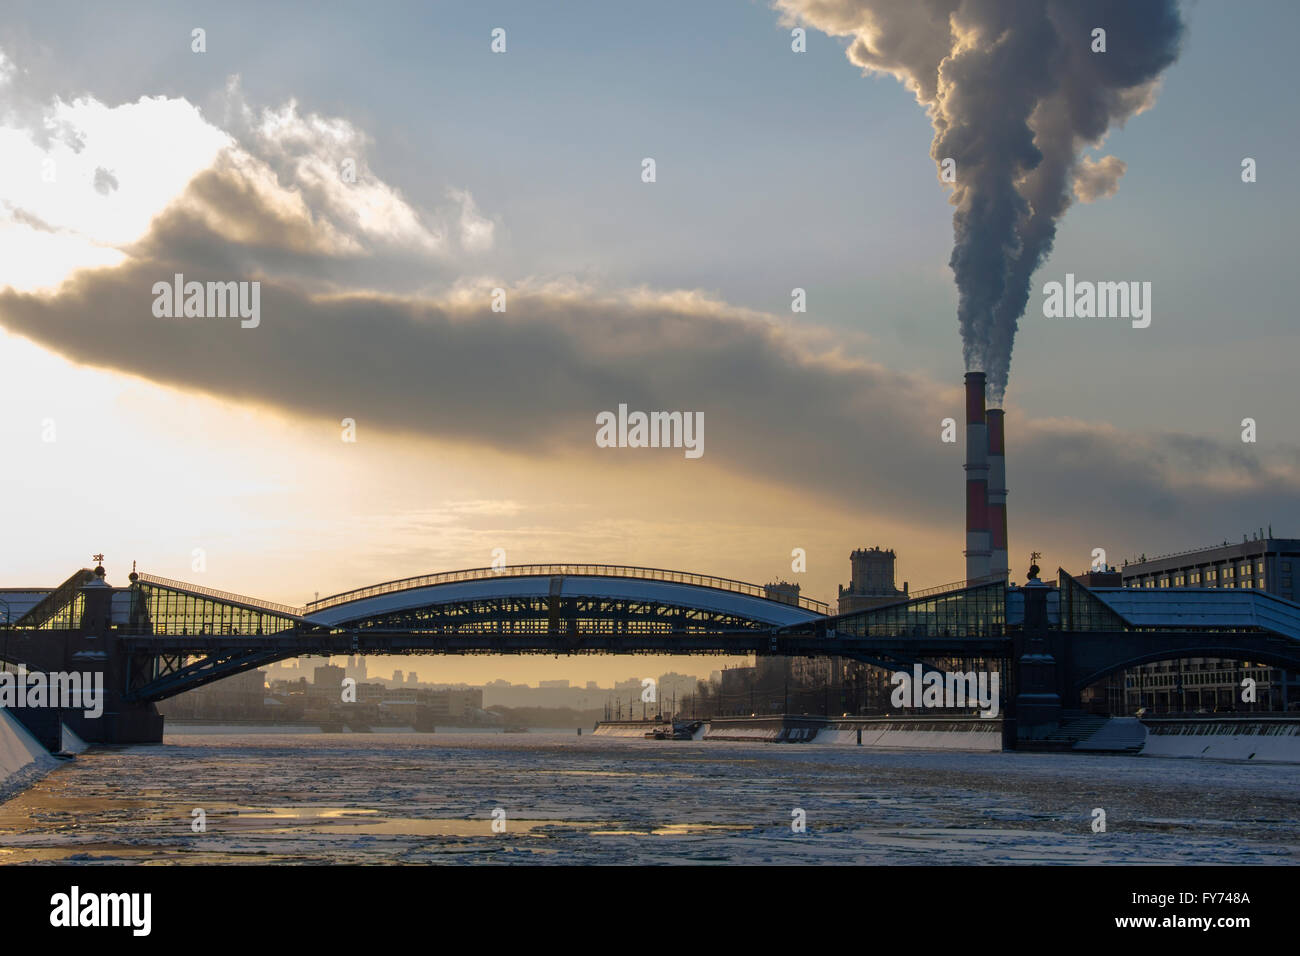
x=1015 y=90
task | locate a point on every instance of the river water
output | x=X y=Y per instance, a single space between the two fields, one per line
x=561 y=798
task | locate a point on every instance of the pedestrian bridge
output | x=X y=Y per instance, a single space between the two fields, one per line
x=158 y=637
x=176 y=635
x=526 y=599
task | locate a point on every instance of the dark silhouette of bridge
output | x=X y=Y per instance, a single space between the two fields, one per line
x=157 y=637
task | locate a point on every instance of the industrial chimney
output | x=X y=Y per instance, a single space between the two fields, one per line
x=999 y=562
x=978 y=539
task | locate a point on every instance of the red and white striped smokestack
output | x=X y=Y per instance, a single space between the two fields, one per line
x=978 y=550
x=999 y=561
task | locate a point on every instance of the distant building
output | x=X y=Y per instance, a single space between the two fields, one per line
x=738 y=690
x=852 y=687
x=239 y=697
x=872 y=581
x=782 y=591
x=328 y=675
x=1263 y=563
x=356 y=669
x=454 y=704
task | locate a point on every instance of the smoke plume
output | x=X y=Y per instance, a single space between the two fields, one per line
x=1015 y=92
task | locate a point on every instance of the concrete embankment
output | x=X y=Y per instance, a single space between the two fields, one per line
x=881 y=733
x=877 y=733
x=916 y=733
x=1270 y=739
x=779 y=730
x=1258 y=739
x=22 y=758
x=625 y=728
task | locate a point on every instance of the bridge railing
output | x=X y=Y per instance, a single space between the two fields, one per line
x=955 y=586
x=539 y=570
x=216 y=595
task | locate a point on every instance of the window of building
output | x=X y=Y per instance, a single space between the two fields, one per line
x=1211 y=574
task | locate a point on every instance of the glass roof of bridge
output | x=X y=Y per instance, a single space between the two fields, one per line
x=977 y=611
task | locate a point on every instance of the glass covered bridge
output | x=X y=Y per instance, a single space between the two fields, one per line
x=158 y=637
x=177 y=635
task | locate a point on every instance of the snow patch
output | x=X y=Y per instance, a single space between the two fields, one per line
x=22 y=758
x=72 y=744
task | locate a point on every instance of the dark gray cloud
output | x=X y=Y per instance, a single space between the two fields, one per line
x=533 y=378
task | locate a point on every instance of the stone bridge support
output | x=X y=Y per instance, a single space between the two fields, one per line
x=92 y=649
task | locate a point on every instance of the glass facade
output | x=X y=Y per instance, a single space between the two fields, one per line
x=1081 y=611
x=972 y=612
x=160 y=610
x=67 y=617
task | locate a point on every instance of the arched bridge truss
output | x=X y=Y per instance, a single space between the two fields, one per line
x=179 y=636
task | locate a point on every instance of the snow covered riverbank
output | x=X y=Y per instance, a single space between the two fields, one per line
x=22 y=758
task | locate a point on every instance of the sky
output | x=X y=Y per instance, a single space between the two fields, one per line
x=126 y=156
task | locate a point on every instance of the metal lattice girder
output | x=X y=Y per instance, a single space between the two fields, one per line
x=180 y=673
x=577 y=615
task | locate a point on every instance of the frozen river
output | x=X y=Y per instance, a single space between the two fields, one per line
x=421 y=798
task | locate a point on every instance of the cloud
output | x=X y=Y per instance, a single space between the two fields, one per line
x=52 y=180
x=476 y=232
x=334 y=342
x=531 y=380
x=309 y=152
x=296 y=184
x=105 y=181
x=1097 y=179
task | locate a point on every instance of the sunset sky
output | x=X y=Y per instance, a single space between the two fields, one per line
x=522 y=170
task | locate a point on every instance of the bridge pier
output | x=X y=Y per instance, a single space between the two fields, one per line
x=92 y=649
x=1037 y=710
